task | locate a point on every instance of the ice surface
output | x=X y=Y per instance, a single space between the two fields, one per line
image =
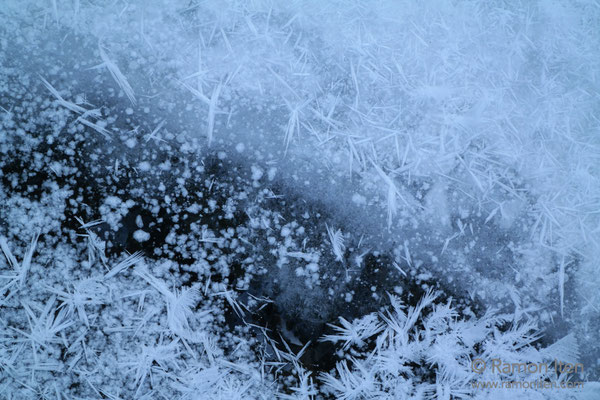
x=339 y=199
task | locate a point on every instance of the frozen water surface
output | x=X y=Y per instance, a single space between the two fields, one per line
x=305 y=200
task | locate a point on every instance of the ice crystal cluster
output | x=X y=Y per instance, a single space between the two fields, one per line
x=304 y=199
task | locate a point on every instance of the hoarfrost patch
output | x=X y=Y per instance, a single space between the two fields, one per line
x=299 y=201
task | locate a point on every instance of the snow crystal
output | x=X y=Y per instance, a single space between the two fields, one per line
x=131 y=143
x=257 y=173
x=141 y=236
x=144 y=166
x=420 y=146
x=113 y=201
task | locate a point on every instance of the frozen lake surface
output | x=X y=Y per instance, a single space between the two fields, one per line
x=313 y=200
